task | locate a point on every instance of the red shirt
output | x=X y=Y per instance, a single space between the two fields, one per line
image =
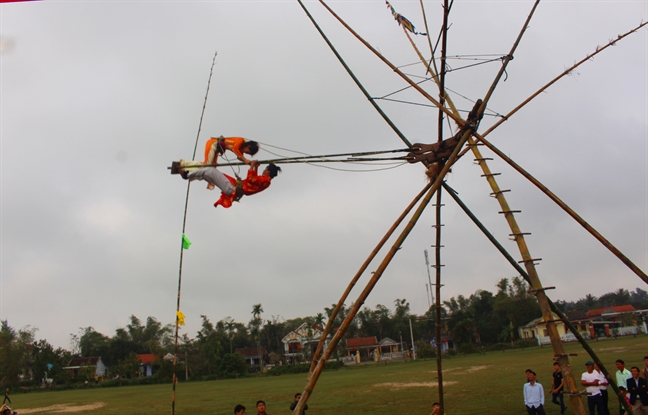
x=252 y=184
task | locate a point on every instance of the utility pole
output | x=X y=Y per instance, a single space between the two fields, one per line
x=412 y=337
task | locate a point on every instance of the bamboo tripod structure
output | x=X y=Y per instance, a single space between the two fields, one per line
x=473 y=139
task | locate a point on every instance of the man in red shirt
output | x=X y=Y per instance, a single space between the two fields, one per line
x=253 y=183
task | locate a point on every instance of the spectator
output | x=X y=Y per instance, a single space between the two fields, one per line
x=590 y=379
x=622 y=376
x=261 y=408
x=239 y=410
x=294 y=404
x=603 y=384
x=557 y=385
x=533 y=395
x=638 y=391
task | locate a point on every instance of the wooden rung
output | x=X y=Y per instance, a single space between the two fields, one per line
x=529 y=260
x=436 y=226
x=509 y=211
x=551 y=321
x=578 y=393
x=483 y=159
x=437 y=266
x=474 y=144
x=434 y=204
x=500 y=192
x=490 y=174
x=440 y=246
x=541 y=289
x=519 y=234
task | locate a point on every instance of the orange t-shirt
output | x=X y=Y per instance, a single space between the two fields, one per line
x=232 y=144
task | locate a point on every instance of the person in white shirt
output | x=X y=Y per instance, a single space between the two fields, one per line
x=603 y=384
x=591 y=379
x=534 y=397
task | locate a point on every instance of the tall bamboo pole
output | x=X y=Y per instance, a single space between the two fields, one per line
x=184 y=225
x=437 y=248
x=528 y=260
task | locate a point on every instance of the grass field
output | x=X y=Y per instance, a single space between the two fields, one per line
x=474 y=384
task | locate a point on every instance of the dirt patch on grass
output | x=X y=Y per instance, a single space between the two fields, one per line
x=395 y=385
x=476 y=368
x=63 y=408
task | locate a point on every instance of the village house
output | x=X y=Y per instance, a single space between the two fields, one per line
x=300 y=344
x=77 y=365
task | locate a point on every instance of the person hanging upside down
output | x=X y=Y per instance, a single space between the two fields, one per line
x=231 y=190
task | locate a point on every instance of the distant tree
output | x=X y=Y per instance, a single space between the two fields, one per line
x=232 y=365
x=91 y=342
x=13 y=352
x=46 y=359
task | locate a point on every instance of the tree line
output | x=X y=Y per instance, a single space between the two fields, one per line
x=481 y=319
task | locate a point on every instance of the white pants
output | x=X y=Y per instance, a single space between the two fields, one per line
x=214 y=176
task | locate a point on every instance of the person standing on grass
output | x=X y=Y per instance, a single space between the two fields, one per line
x=6 y=398
x=638 y=391
x=261 y=408
x=534 y=397
x=645 y=371
x=590 y=380
x=603 y=384
x=296 y=401
x=557 y=385
x=622 y=376
x=436 y=409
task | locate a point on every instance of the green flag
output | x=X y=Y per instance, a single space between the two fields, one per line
x=186 y=243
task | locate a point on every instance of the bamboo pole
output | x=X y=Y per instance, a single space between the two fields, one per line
x=524 y=275
x=363 y=267
x=556 y=343
x=184 y=225
x=314 y=376
x=437 y=248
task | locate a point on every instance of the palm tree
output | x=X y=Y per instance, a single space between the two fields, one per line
x=229 y=324
x=319 y=320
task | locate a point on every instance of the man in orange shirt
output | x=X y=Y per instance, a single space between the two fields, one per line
x=214 y=147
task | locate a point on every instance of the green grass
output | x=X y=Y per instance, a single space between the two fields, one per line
x=496 y=389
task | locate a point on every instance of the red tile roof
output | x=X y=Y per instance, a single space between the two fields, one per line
x=615 y=308
x=362 y=342
x=146 y=358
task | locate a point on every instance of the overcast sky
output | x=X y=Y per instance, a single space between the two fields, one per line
x=98 y=97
